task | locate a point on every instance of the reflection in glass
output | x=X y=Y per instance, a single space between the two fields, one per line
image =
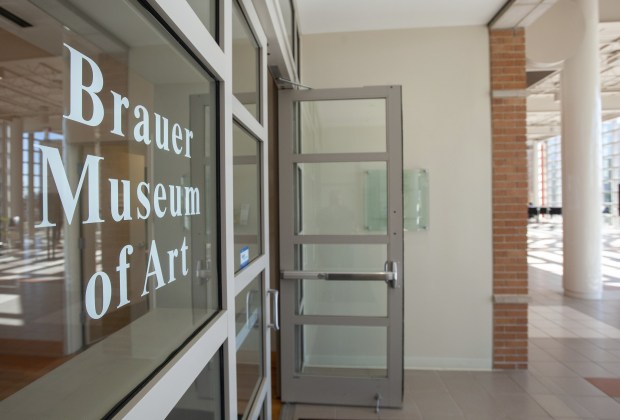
x=342 y=126
x=286 y=7
x=329 y=196
x=203 y=399
x=339 y=350
x=246 y=63
x=249 y=329
x=100 y=286
x=247 y=197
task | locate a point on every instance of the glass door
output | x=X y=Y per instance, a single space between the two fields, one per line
x=341 y=246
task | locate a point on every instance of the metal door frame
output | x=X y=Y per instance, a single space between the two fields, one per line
x=342 y=390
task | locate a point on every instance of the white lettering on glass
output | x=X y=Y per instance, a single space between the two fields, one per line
x=86 y=107
x=144 y=200
x=161 y=133
x=180 y=136
x=122 y=268
x=153 y=269
x=91 y=295
x=159 y=275
x=162 y=202
x=114 y=200
x=141 y=130
x=120 y=102
x=51 y=158
x=76 y=73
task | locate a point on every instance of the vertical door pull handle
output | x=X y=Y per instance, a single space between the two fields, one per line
x=275 y=311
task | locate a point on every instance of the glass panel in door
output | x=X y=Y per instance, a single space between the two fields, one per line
x=250 y=335
x=341 y=246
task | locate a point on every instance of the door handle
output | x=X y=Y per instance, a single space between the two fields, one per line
x=389 y=277
x=392 y=267
x=275 y=313
x=319 y=275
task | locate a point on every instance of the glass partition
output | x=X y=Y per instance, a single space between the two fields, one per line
x=286 y=8
x=341 y=126
x=341 y=298
x=203 y=399
x=246 y=63
x=247 y=197
x=337 y=350
x=207 y=11
x=249 y=329
x=328 y=204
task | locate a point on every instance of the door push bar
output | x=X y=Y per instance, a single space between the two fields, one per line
x=390 y=275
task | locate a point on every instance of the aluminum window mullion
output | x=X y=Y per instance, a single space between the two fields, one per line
x=247 y=121
x=162 y=393
x=260 y=399
x=227 y=208
x=249 y=273
x=259 y=131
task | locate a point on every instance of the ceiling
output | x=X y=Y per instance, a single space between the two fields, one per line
x=543 y=117
x=325 y=16
x=23 y=82
x=543 y=110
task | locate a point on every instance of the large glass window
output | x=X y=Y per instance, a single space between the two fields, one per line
x=246 y=63
x=247 y=197
x=203 y=399
x=286 y=8
x=249 y=329
x=207 y=11
x=108 y=205
x=549 y=168
x=288 y=13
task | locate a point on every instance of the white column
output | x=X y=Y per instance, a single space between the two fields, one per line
x=581 y=163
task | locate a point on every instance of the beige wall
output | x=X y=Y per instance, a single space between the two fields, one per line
x=447 y=130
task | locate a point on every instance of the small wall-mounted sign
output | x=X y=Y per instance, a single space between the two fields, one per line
x=244 y=256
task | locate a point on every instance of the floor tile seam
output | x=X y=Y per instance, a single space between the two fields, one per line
x=549 y=411
x=491 y=396
x=461 y=409
x=597 y=365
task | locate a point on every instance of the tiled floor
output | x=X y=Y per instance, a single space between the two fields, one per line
x=573 y=345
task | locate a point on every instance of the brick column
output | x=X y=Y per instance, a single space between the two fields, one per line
x=510 y=194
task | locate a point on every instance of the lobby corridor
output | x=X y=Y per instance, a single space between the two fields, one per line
x=574 y=354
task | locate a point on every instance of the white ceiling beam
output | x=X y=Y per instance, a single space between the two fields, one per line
x=520 y=13
x=610 y=102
